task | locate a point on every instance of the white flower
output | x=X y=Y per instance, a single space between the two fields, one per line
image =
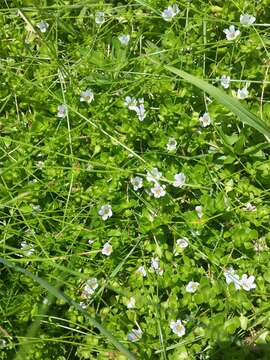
x=107 y=249
x=155 y=266
x=61 y=111
x=136 y=105
x=124 y=39
x=177 y=327
x=247 y=20
x=153 y=175
x=137 y=182
x=170 y=12
x=199 y=209
x=205 y=120
x=131 y=303
x=232 y=277
x=46 y=301
x=105 y=212
x=40 y=164
x=140 y=110
x=155 y=263
x=36 y=208
x=83 y=305
x=87 y=96
x=135 y=335
x=158 y=190
x=183 y=243
x=242 y=93
x=171 y=145
x=231 y=33
x=3 y=343
x=192 y=287
x=99 y=18
x=89 y=167
x=90 y=286
x=141 y=270
x=260 y=245
x=90 y=241
x=179 y=180
x=225 y=81
x=130 y=102
x=250 y=207
x=180 y=244
x=247 y=283
x=26 y=249
x=43 y=26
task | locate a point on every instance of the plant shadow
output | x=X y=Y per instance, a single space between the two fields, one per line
x=232 y=351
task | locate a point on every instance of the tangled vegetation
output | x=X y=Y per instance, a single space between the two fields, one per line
x=134 y=180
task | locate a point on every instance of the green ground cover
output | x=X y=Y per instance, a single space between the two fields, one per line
x=134 y=180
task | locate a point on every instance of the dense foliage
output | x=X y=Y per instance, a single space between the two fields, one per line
x=82 y=207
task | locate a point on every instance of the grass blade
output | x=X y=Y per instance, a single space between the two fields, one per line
x=58 y=294
x=229 y=102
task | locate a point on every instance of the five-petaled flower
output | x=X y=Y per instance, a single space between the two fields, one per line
x=158 y=190
x=247 y=20
x=137 y=182
x=135 y=334
x=156 y=266
x=231 y=33
x=205 y=120
x=141 y=270
x=179 y=180
x=61 y=111
x=124 y=39
x=181 y=244
x=242 y=93
x=99 y=17
x=136 y=105
x=232 y=277
x=153 y=175
x=199 y=211
x=131 y=303
x=27 y=249
x=250 y=207
x=247 y=283
x=225 y=81
x=105 y=212
x=43 y=26
x=192 y=287
x=177 y=327
x=87 y=96
x=90 y=286
x=169 y=13
x=130 y=102
x=140 y=110
x=171 y=144
x=107 y=249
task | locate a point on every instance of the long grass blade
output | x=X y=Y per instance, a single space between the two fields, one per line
x=58 y=294
x=231 y=103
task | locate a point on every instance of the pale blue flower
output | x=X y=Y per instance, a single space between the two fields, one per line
x=99 y=17
x=169 y=13
x=124 y=39
x=177 y=327
x=43 y=26
x=247 y=20
x=231 y=33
